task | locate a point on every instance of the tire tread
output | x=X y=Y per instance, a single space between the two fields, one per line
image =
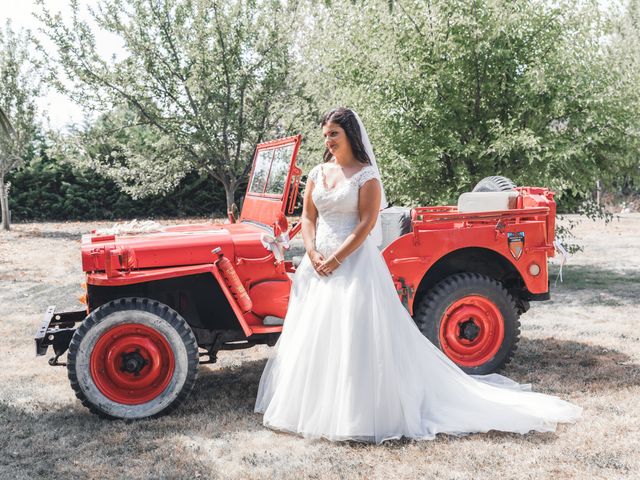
x=430 y=302
x=143 y=304
x=495 y=183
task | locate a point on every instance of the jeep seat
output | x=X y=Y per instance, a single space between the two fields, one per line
x=471 y=202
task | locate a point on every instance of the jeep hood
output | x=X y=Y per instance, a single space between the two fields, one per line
x=169 y=246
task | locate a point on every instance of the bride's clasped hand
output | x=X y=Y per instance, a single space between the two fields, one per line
x=322 y=266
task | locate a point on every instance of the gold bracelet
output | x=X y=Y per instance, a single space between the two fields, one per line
x=336 y=259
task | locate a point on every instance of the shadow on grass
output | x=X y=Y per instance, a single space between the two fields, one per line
x=552 y=366
x=220 y=410
x=561 y=367
x=603 y=286
x=228 y=391
x=54 y=234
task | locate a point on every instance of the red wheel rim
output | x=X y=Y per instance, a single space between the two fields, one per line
x=472 y=331
x=132 y=364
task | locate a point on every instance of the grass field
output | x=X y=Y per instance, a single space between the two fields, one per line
x=583 y=345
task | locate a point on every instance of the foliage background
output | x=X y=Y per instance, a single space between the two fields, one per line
x=47 y=189
x=546 y=93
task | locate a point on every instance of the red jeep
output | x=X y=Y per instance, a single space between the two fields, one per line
x=160 y=303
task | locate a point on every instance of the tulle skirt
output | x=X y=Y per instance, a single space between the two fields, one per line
x=351 y=364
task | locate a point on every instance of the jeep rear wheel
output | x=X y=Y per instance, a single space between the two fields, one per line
x=473 y=320
x=133 y=358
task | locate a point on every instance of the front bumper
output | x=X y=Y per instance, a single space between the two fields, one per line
x=56 y=330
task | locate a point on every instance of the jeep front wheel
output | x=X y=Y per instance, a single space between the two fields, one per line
x=133 y=358
x=473 y=320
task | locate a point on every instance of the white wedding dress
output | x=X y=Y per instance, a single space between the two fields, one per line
x=351 y=364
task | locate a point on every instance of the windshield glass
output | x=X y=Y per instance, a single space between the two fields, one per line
x=271 y=170
x=279 y=169
x=263 y=162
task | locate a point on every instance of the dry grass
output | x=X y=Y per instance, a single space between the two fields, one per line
x=584 y=345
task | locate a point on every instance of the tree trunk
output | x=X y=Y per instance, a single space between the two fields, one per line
x=4 y=204
x=229 y=190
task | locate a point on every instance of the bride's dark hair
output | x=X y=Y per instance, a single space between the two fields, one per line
x=349 y=123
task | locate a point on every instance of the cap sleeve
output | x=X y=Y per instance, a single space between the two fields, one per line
x=314 y=174
x=366 y=174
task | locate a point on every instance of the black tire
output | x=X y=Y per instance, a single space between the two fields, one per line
x=164 y=327
x=431 y=308
x=496 y=183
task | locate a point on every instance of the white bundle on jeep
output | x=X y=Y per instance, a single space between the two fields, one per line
x=132 y=227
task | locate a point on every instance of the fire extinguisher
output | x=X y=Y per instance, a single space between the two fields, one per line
x=232 y=280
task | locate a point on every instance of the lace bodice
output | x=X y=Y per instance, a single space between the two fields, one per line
x=337 y=207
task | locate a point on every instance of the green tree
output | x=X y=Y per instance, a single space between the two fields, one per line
x=20 y=87
x=623 y=57
x=201 y=82
x=44 y=188
x=456 y=90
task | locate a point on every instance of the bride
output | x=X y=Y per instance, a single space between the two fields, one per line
x=350 y=363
